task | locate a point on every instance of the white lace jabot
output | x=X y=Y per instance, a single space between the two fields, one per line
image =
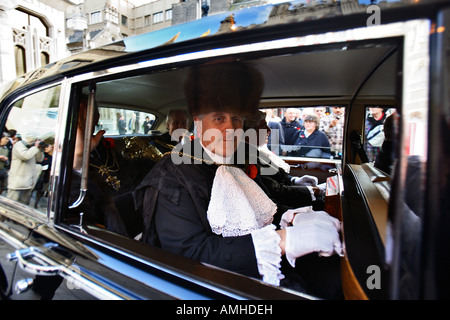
x=238 y=205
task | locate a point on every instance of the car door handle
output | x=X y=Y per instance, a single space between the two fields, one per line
x=46 y=266
x=33 y=268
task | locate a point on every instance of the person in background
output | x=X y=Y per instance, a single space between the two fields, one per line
x=320 y=112
x=22 y=174
x=177 y=124
x=133 y=125
x=147 y=125
x=276 y=134
x=44 y=178
x=333 y=126
x=291 y=126
x=314 y=143
x=374 y=132
x=271 y=115
x=121 y=125
x=386 y=156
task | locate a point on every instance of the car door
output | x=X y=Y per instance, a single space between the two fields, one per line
x=383 y=203
x=73 y=257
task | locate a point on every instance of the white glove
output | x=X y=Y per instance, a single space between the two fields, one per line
x=322 y=187
x=305 y=181
x=288 y=216
x=313 y=231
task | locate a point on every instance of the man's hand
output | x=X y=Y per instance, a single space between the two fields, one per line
x=305 y=181
x=314 y=231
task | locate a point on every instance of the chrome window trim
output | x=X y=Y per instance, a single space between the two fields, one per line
x=59 y=148
x=148 y=263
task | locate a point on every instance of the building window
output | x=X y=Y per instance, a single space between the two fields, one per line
x=96 y=17
x=169 y=14
x=147 y=20
x=158 y=17
x=45 y=58
x=21 y=64
x=112 y=15
x=124 y=20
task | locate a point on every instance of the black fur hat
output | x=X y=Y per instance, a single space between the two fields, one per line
x=232 y=87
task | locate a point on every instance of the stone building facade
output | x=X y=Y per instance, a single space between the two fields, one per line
x=32 y=34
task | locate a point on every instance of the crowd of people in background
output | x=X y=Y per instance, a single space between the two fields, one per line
x=310 y=132
x=318 y=131
x=25 y=164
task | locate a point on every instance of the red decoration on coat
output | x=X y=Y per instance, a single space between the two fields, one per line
x=252 y=171
x=109 y=143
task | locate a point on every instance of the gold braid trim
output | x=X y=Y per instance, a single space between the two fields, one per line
x=191 y=156
x=164 y=144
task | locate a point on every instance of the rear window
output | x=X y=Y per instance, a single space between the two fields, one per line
x=306 y=131
x=118 y=121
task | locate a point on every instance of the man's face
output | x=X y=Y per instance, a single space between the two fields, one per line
x=4 y=141
x=376 y=111
x=220 y=131
x=320 y=112
x=290 y=115
x=178 y=120
x=338 y=110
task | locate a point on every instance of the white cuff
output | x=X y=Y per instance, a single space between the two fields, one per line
x=313 y=196
x=268 y=254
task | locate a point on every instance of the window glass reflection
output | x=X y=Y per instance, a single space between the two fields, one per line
x=27 y=148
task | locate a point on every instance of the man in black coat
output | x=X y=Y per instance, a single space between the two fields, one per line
x=176 y=196
x=291 y=126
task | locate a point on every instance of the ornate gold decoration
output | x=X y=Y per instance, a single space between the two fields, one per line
x=137 y=148
x=107 y=170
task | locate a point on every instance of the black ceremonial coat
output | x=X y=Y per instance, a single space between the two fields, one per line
x=174 y=199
